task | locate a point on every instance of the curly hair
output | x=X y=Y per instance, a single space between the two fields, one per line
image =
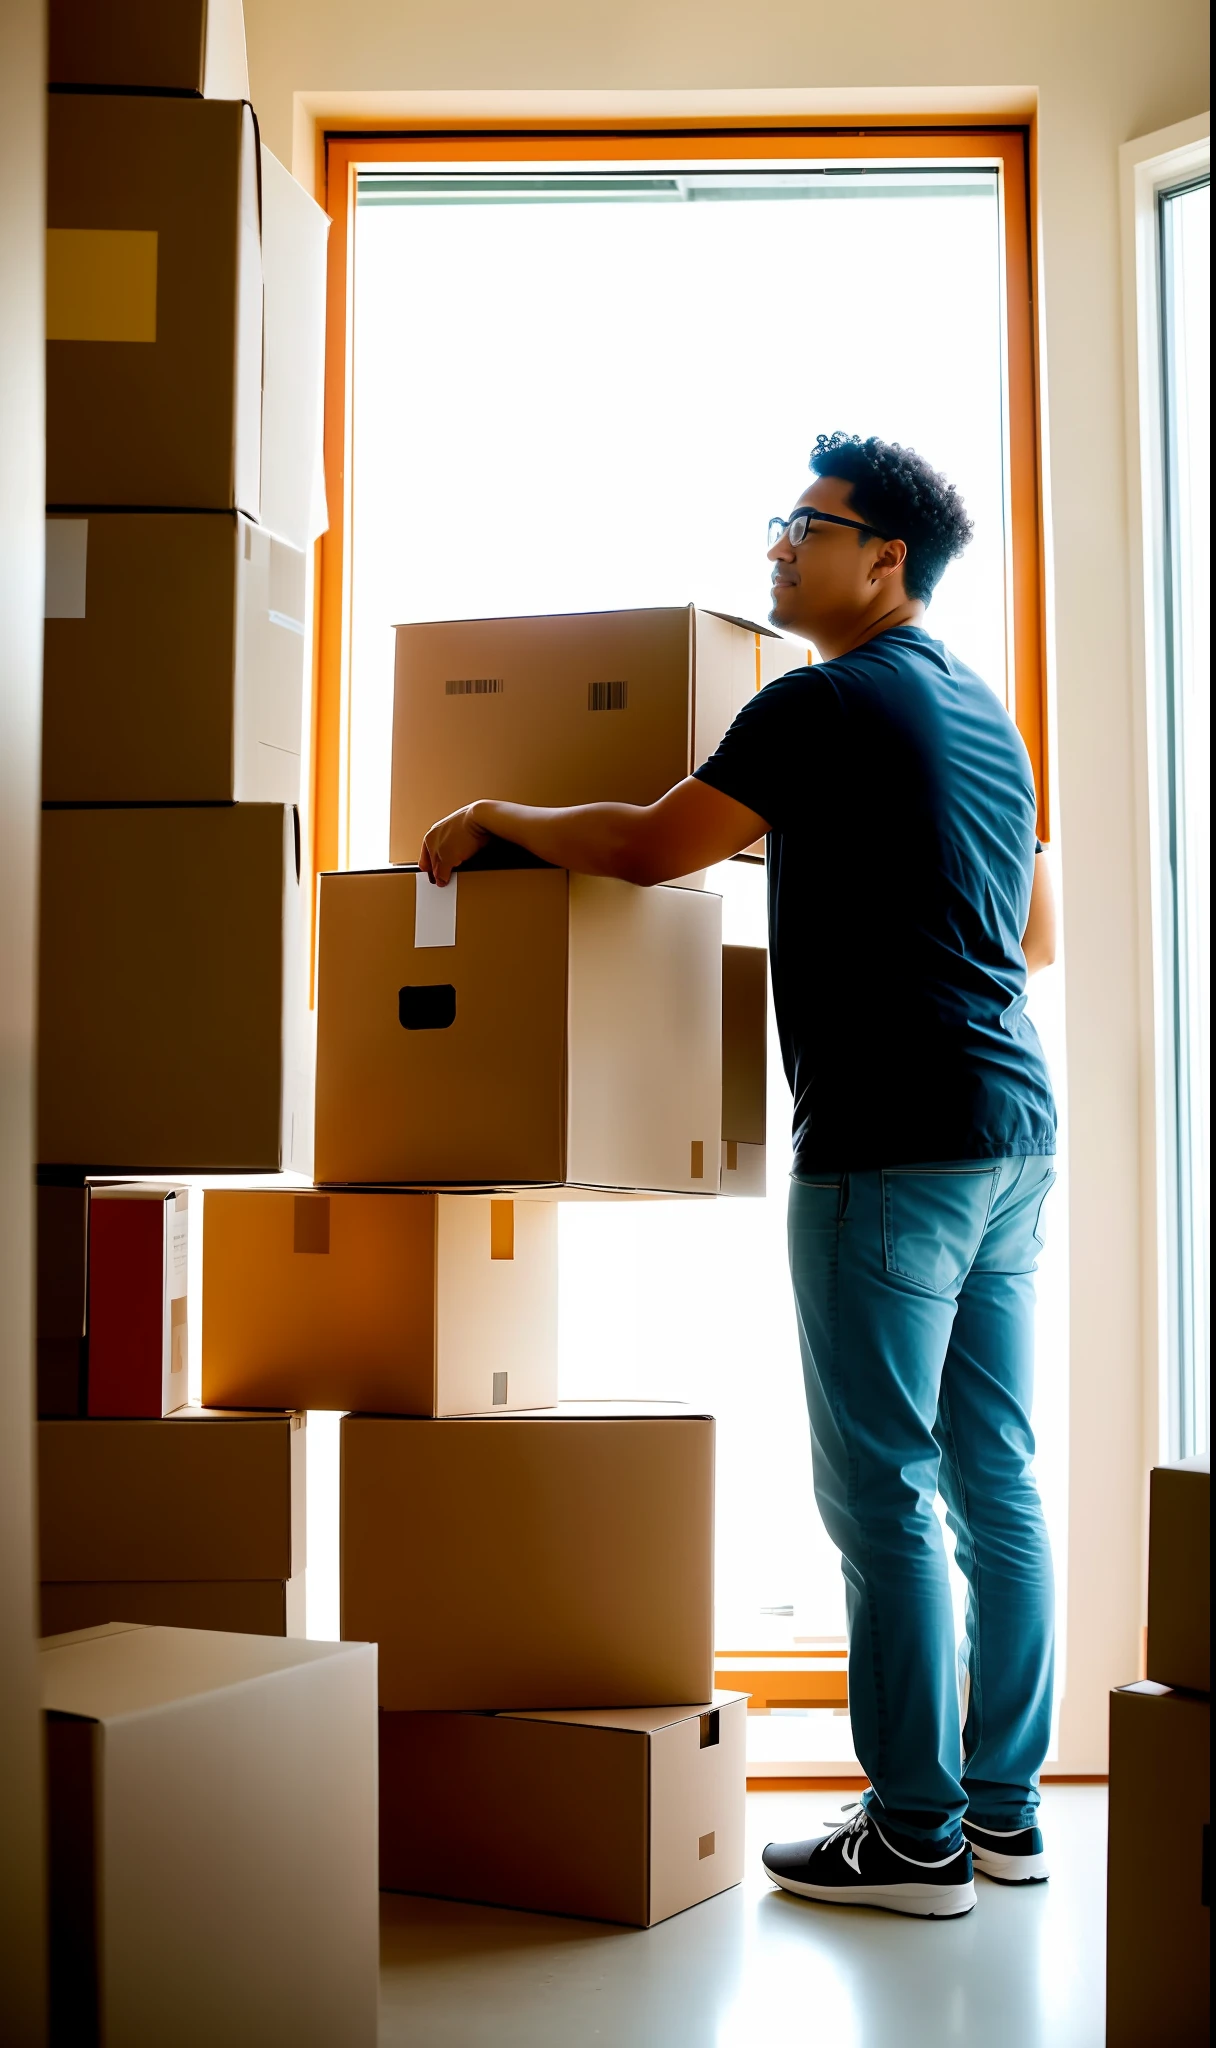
x=897 y=493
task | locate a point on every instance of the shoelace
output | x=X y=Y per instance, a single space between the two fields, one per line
x=858 y=1824
x=850 y=1809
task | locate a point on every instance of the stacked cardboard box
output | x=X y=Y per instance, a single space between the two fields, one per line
x=540 y=1584
x=185 y=334
x=1159 y=1929
x=565 y=1557
x=185 y=307
x=576 y=708
x=196 y=1520
x=538 y=1577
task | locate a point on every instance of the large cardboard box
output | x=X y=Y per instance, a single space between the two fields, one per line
x=154 y=303
x=630 y=1814
x=189 y=46
x=561 y=1559
x=394 y=1304
x=212 y=1839
x=173 y=1020
x=61 y=1230
x=197 y=1495
x=173 y=660
x=1180 y=1574
x=254 y=1607
x=744 y=1069
x=138 y=1296
x=185 y=314
x=519 y=1027
x=574 y=708
x=1158 y=1919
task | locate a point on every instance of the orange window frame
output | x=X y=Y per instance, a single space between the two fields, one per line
x=342 y=153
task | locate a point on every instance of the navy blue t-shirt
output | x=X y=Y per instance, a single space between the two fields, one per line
x=901 y=854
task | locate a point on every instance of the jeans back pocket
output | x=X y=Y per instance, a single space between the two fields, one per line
x=933 y=1219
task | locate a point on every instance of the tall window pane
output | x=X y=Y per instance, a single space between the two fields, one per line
x=1185 y=228
x=582 y=391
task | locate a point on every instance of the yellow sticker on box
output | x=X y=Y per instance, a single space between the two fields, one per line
x=101 y=284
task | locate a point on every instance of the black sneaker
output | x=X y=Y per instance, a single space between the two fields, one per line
x=1012 y=1857
x=856 y=1866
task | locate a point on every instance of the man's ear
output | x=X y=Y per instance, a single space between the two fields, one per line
x=889 y=560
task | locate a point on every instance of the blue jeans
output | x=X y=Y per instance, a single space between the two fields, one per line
x=915 y=1295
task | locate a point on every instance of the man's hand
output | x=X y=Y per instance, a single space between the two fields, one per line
x=450 y=843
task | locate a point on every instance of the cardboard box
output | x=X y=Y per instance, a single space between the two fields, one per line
x=574 y=708
x=394 y=1304
x=61 y=1229
x=212 y=1839
x=1158 y=1918
x=192 y=46
x=1180 y=1574
x=154 y=303
x=744 y=1069
x=173 y=660
x=629 y=1815
x=173 y=1021
x=520 y=1027
x=198 y=1495
x=138 y=1288
x=185 y=315
x=255 y=1607
x=560 y=1559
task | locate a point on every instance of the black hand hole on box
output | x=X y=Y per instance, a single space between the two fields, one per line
x=430 y=1007
x=710 y=1733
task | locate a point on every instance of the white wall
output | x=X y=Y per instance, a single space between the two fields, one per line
x=22 y=531
x=1098 y=72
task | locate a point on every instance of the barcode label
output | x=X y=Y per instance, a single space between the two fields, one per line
x=473 y=686
x=612 y=696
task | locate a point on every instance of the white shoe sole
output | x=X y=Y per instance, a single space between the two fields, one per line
x=923 y=1901
x=1001 y=1869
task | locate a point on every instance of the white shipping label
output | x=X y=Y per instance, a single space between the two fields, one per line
x=67 y=549
x=434 y=913
x=179 y=1220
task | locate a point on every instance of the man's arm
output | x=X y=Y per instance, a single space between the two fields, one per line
x=691 y=827
x=1039 y=937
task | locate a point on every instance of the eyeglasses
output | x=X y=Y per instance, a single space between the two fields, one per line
x=795 y=528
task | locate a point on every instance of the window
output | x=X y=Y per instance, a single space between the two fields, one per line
x=579 y=377
x=585 y=392
x=1183 y=225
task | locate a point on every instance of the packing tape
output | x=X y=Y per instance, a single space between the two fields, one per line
x=502 y=1230
x=101 y=284
x=434 y=912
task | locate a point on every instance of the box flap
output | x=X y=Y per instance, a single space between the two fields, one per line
x=598 y=1411
x=87 y=1635
x=106 y=1674
x=748 y=625
x=631 y=1720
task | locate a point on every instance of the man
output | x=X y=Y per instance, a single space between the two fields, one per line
x=906 y=906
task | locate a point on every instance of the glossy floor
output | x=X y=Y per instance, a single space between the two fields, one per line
x=756 y=1968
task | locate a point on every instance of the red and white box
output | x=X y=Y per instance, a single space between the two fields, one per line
x=138 y=1276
